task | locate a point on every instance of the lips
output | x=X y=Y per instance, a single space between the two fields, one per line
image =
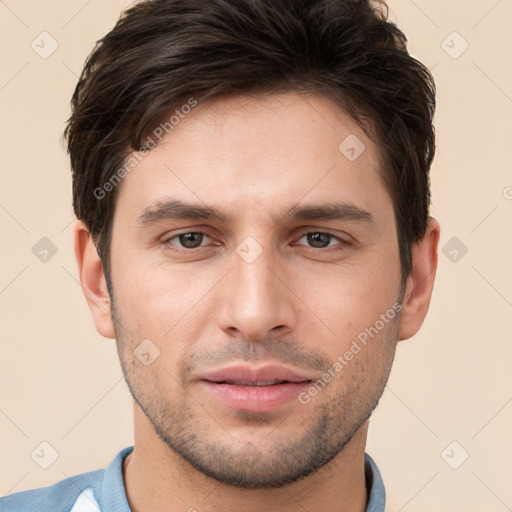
x=258 y=383
x=247 y=376
x=254 y=389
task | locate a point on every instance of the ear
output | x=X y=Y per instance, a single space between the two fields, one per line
x=92 y=279
x=420 y=283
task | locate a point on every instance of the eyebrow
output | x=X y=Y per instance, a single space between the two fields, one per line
x=175 y=209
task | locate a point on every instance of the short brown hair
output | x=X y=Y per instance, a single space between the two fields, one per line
x=163 y=52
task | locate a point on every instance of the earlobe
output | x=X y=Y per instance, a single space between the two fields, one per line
x=420 y=283
x=93 y=281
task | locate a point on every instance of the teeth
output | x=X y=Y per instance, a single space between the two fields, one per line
x=254 y=383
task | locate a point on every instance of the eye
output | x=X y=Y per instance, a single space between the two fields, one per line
x=316 y=239
x=189 y=240
x=321 y=240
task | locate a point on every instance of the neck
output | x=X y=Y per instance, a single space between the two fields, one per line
x=158 y=479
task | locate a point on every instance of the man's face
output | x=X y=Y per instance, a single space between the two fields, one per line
x=252 y=312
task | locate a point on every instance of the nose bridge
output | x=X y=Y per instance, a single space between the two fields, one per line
x=256 y=278
x=255 y=299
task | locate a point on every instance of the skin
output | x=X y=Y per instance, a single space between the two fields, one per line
x=299 y=304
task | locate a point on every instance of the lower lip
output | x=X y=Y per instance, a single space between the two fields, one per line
x=255 y=398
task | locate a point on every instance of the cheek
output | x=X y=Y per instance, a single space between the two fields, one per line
x=351 y=299
x=165 y=304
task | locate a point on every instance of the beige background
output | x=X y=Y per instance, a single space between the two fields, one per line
x=60 y=380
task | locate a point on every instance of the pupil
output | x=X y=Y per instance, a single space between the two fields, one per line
x=189 y=239
x=321 y=238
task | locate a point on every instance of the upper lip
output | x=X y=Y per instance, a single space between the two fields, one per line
x=249 y=374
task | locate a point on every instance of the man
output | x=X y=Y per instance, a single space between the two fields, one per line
x=251 y=182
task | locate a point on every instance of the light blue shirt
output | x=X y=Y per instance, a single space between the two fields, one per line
x=103 y=491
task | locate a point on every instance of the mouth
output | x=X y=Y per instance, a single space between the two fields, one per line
x=258 y=383
x=243 y=375
x=255 y=389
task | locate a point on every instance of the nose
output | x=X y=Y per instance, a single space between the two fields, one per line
x=255 y=300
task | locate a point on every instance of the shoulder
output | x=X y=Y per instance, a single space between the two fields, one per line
x=59 y=497
x=102 y=489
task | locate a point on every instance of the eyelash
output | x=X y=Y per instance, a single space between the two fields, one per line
x=343 y=242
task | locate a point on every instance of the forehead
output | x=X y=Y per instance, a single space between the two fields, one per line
x=260 y=153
